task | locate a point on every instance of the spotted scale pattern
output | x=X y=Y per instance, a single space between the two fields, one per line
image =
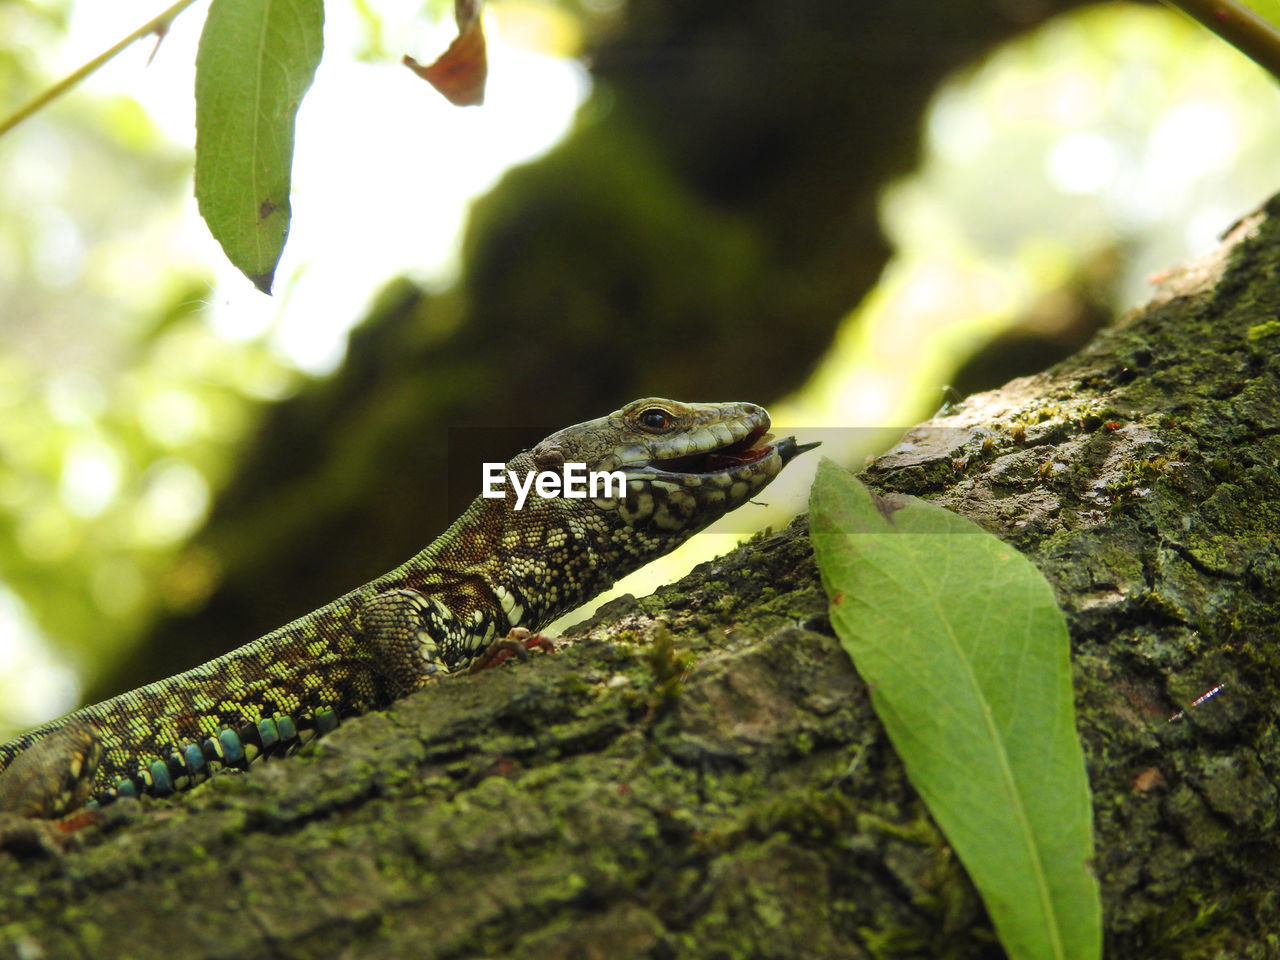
x=494 y=569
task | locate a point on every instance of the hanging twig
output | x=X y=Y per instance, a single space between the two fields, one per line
x=155 y=25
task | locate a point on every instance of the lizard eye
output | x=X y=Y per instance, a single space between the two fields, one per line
x=655 y=418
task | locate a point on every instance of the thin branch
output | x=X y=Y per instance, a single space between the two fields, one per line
x=1257 y=38
x=153 y=25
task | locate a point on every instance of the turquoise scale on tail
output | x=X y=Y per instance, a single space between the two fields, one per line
x=230 y=749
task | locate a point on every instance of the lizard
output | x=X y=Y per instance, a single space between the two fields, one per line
x=497 y=572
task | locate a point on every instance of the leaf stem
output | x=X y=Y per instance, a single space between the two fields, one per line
x=1255 y=37
x=156 y=24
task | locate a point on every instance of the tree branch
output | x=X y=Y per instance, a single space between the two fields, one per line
x=1257 y=38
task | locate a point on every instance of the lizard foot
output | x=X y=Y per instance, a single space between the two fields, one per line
x=43 y=790
x=54 y=775
x=27 y=835
x=397 y=626
x=517 y=643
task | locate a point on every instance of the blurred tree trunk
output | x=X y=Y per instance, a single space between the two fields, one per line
x=699 y=774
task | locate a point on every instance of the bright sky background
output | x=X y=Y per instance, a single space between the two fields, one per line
x=384 y=167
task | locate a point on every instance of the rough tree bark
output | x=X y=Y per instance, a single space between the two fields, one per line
x=699 y=774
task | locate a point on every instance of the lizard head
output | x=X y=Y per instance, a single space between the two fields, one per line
x=685 y=464
x=529 y=557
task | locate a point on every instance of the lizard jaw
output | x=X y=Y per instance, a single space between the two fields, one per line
x=681 y=495
x=731 y=458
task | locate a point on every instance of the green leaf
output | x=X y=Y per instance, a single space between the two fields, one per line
x=966 y=654
x=256 y=60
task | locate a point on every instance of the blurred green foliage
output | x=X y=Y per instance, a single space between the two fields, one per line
x=119 y=406
x=1058 y=175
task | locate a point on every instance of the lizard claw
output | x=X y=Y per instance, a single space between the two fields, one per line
x=517 y=643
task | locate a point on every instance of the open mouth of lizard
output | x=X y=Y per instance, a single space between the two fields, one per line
x=755 y=446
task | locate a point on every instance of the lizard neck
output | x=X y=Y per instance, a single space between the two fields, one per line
x=500 y=567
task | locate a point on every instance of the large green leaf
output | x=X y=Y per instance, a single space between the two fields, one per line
x=967 y=657
x=256 y=60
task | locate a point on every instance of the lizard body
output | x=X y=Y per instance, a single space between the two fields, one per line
x=494 y=569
